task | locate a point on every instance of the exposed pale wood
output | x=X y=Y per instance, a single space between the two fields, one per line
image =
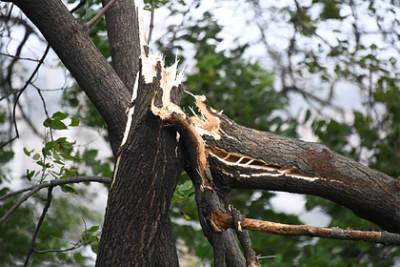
x=225 y=221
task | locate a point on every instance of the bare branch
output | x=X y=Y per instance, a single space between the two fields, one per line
x=53 y=183
x=17 y=204
x=41 y=219
x=34 y=189
x=41 y=60
x=77 y=245
x=71 y=42
x=151 y=26
x=18 y=57
x=99 y=14
x=224 y=221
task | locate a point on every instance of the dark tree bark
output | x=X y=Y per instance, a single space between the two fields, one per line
x=296 y=166
x=123 y=36
x=139 y=214
x=243 y=158
x=69 y=39
x=145 y=179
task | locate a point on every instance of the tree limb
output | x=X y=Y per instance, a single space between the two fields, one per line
x=225 y=221
x=240 y=157
x=251 y=159
x=123 y=36
x=59 y=182
x=99 y=14
x=34 y=189
x=244 y=238
x=94 y=75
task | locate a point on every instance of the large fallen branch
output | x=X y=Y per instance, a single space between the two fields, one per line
x=228 y=155
x=221 y=154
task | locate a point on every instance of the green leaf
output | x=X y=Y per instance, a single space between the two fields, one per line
x=93 y=229
x=55 y=124
x=74 y=121
x=27 y=152
x=185 y=189
x=6 y=156
x=79 y=258
x=36 y=156
x=68 y=189
x=59 y=116
x=331 y=10
x=29 y=174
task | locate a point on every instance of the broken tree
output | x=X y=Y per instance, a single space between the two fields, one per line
x=153 y=140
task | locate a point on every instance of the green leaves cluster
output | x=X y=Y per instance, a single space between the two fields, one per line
x=57 y=121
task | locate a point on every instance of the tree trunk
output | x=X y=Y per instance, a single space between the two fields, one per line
x=136 y=229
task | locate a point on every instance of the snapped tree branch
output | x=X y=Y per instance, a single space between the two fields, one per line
x=223 y=221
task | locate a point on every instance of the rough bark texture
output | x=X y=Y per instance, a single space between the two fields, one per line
x=136 y=229
x=139 y=201
x=226 y=249
x=137 y=209
x=95 y=76
x=272 y=162
x=123 y=36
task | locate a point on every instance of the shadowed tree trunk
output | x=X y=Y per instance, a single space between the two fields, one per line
x=152 y=139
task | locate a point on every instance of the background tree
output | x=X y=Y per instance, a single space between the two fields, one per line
x=324 y=41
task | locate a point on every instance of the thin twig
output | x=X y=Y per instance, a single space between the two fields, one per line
x=19 y=58
x=151 y=26
x=29 y=122
x=41 y=60
x=224 y=221
x=17 y=204
x=34 y=189
x=53 y=183
x=62 y=250
x=99 y=14
x=44 y=107
x=41 y=219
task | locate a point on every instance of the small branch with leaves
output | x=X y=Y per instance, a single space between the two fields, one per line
x=36 y=188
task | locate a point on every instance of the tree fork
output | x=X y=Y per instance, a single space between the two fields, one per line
x=240 y=157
